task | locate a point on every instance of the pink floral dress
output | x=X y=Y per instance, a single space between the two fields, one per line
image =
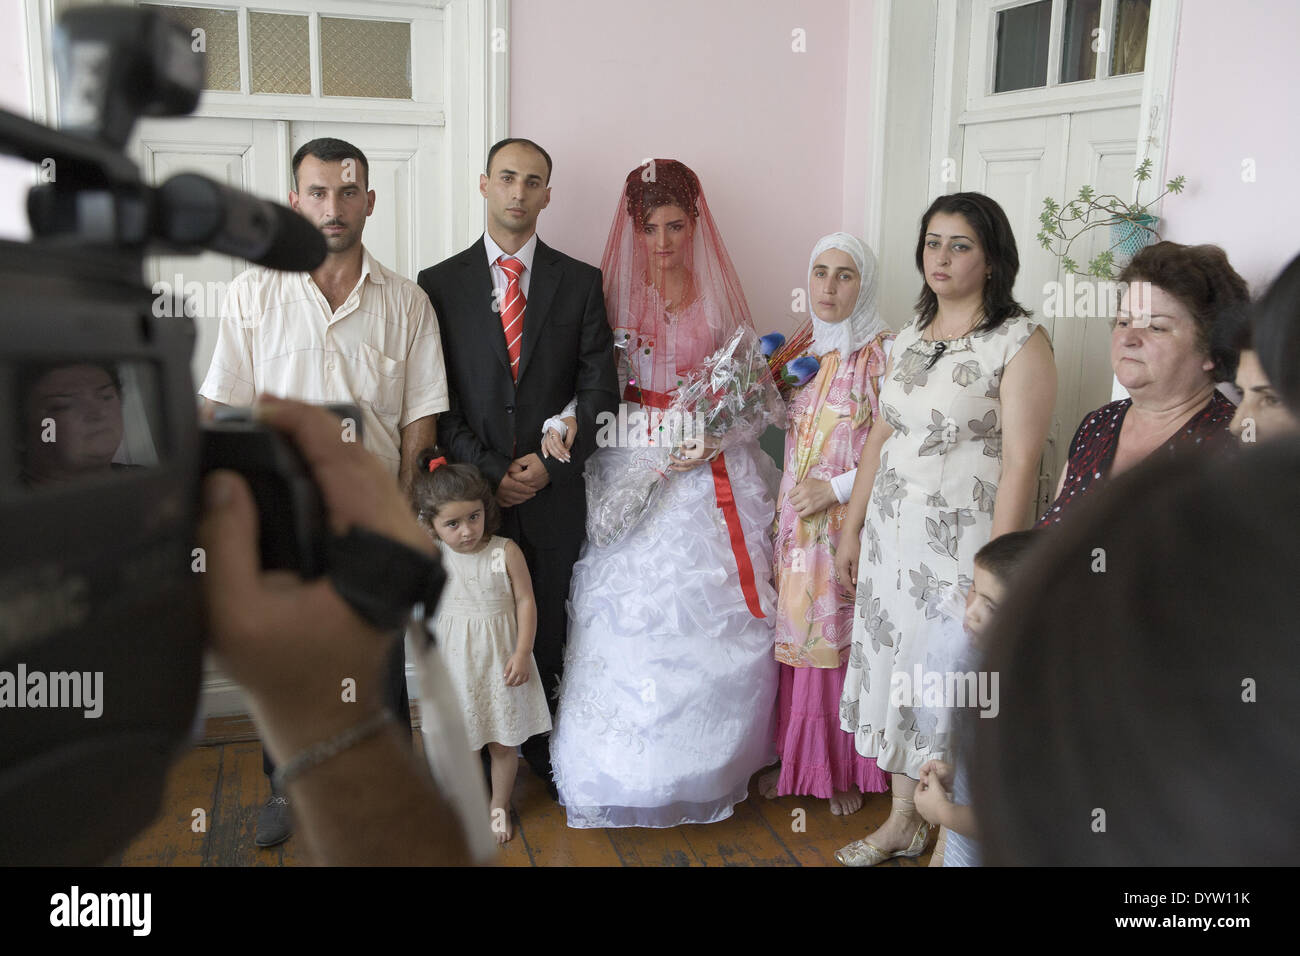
x=829 y=421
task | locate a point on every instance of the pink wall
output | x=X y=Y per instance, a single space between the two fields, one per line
x=714 y=84
x=1236 y=83
x=858 y=118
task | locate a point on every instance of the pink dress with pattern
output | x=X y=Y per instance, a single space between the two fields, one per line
x=829 y=421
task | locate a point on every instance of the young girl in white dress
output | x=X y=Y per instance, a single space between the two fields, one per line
x=485 y=623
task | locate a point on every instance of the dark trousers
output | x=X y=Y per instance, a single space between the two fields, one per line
x=551 y=567
x=395 y=697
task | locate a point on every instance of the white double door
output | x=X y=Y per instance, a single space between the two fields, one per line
x=405 y=232
x=1019 y=162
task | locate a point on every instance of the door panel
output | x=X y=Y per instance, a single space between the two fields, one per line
x=242 y=154
x=1103 y=154
x=1017 y=162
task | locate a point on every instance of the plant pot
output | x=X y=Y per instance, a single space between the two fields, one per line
x=1130 y=237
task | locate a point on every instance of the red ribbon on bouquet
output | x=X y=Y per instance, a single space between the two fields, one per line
x=726 y=500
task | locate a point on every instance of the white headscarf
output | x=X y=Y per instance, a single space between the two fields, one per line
x=863 y=324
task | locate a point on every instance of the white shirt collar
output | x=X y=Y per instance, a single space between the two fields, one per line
x=370 y=269
x=524 y=255
x=370 y=266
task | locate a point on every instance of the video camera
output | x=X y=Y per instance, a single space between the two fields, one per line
x=101 y=627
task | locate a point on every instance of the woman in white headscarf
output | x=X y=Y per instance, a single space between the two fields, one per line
x=829 y=421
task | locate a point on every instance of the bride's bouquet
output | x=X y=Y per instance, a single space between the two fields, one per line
x=730 y=399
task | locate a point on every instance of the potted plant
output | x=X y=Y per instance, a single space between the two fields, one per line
x=1132 y=225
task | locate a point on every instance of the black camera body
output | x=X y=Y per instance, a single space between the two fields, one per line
x=101 y=454
x=97 y=578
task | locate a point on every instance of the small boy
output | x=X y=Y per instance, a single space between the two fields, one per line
x=943 y=794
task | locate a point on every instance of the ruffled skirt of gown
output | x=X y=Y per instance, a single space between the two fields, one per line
x=667 y=707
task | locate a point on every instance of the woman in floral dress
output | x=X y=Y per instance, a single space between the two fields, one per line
x=829 y=421
x=965 y=406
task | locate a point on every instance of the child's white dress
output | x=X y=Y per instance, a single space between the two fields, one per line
x=477 y=631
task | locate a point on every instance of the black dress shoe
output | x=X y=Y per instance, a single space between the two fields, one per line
x=275 y=822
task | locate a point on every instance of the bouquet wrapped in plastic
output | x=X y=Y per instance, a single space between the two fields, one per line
x=728 y=400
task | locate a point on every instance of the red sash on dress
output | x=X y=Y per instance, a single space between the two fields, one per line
x=726 y=501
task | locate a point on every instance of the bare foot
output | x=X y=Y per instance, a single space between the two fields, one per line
x=844 y=802
x=767 y=784
x=502 y=826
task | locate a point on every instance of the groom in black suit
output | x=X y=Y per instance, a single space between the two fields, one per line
x=523 y=333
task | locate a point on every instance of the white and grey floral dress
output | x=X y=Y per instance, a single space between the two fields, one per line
x=931 y=509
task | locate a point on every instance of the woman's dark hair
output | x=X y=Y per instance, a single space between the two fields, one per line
x=1276 y=320
x=1128 y=655
x=998 y=242
x=1202 y=279
x=1004 y=556
x=431 y=490
x=1243 y=336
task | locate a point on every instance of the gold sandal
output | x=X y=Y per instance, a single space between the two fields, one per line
x=864 y=853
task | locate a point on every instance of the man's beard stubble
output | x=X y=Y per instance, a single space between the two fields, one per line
x=342 y=242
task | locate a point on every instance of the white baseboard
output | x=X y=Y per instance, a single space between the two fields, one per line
x=219 y=696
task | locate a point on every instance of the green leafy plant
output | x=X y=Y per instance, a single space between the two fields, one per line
x=1063 y=223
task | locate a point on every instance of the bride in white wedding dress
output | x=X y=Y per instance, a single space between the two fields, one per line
x=667 y=703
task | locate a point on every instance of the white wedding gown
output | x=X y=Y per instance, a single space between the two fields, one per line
x=667 y=706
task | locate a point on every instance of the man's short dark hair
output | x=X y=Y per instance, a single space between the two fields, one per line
x=330 y=150
x=523 y=142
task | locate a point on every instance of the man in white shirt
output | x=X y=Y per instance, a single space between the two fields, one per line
x=349 y=331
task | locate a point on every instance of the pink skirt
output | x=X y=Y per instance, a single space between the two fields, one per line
x=817 y=757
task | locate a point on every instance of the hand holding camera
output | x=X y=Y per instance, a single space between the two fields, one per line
x=266 y=626
x=296 y=644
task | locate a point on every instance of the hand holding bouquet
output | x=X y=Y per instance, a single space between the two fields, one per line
x=729 y=399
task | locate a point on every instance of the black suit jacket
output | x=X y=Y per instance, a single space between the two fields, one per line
x=567 y=349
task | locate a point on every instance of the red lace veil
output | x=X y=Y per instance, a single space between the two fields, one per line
x=665 y=340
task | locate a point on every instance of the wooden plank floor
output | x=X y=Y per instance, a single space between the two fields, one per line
x=227 y=783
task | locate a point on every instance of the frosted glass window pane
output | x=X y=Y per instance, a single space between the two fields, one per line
x=279 y=47
x=220 y=42
x=365 y=58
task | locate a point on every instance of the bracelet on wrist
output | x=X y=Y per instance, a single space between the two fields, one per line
x=315 y=755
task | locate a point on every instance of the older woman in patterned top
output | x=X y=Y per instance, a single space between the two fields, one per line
x=1173 y=339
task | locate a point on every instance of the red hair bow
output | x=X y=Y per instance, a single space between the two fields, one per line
x=436 y=463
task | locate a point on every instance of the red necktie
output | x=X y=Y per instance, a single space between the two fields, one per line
x=512 y=311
